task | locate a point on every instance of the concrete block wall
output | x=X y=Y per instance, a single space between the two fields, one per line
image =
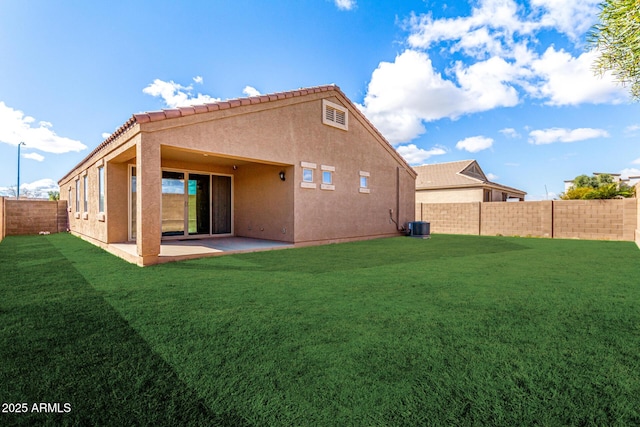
x=451 y=218
x=616 y=219
x=595 y=219
x=517 y=219
x=34 y=216
x=63 y=216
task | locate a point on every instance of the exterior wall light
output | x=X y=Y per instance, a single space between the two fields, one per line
x=282 y=176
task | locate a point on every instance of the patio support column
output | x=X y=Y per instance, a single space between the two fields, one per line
x=149 y=199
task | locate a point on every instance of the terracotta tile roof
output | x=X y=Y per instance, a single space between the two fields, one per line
x=230 y=103
x=444 y=175
x=153 y=116
x=450 y=175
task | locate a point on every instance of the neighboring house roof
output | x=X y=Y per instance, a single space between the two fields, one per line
x=460 y=174
x=154 y=116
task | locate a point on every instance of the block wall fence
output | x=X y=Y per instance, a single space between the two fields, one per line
x=566 y=219
x=616 y=219
x=30 y=216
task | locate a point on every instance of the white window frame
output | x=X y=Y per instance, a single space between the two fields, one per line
x=85 y=193
x=327 y=171
x=101 y=199
x=304 y=175
x=306 y=166
x=335 y=115
x=77 y=194
x=364 y=177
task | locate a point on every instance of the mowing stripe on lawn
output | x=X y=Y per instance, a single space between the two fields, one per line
x=60 y=342
x=462 y=330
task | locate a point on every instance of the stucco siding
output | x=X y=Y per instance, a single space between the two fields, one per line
x=252 y=142
x=454 y=195
x=263 y=204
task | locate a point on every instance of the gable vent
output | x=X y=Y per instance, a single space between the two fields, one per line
x=334 y=115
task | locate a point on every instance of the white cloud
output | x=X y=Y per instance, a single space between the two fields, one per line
x=492 y=177
x=198 y=79
x=474 y=144
x=549 y=136
x=175 y=95
x=250 y=91
x=496 y=65
x=345 y=4
x=15 y=127
x=34 y=156
x=636 y=161
x=566 y=80
x=105 y=135
x=509 y=133
x=493 y=24
x=41 y=186
x=404 y=94
x=631 y=130
x=415 y=156
x=490 y=23
x=627 y=172
x=37 y=189
x=572 y=18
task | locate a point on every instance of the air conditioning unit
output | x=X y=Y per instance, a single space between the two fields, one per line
x=420 y=229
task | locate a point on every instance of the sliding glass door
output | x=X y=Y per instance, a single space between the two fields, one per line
x=221 y=204
x=199 y=204
x=193 y=204
x=173 y=203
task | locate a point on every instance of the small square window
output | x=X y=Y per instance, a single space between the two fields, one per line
x=307 y=175
x=327 y=177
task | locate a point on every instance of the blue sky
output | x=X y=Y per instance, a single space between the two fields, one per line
x=508 y=83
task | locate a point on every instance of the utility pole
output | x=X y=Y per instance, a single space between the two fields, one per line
x=18 y=189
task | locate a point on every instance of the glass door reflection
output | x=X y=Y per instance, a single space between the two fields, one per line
x=173 y=203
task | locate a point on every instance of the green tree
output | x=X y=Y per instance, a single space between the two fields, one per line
x=54 y=195
x=603 y=179
x=617 y=39
x=601 y=186
x=583 y=181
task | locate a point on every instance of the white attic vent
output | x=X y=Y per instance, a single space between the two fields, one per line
x=335 y=115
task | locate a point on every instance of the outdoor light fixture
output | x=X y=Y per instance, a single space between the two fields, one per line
x=282 y=177
x=18 y=188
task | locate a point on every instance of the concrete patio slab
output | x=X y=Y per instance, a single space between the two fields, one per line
x=176 y=250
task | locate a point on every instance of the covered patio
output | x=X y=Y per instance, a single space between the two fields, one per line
x=178 y=250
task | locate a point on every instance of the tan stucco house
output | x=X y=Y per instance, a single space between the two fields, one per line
x=303 y=167
x=461 y=181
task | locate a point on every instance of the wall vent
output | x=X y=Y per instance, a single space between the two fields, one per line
x=335 y=115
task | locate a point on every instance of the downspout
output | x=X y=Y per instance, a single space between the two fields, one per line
x=398 y=197
x=401 y=229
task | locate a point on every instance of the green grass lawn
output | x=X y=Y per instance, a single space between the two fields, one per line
x=455 y=330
